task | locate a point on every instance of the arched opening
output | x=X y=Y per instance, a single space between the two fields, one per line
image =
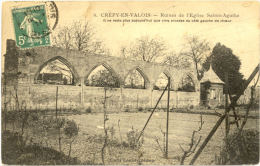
x=135 y=80
x=186 y=84
x=102 y=76
x=161 y=82
x=55 y=71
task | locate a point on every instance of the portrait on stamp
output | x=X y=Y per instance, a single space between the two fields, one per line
x=31 y=26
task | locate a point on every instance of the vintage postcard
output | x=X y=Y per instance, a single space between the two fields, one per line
x=130 y=83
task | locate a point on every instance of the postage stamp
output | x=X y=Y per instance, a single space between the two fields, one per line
x=31 y=26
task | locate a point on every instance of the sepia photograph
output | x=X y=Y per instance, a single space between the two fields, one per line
x=130 y=83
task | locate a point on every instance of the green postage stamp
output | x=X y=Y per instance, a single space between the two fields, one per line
x=31 y=27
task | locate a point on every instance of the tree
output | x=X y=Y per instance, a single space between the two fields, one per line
x=103 y=78
x=79 y=36
x=186 y=84
x=135 y=80
x=64 y=38
x=177 y=60
x=71 y=130
x=196 y=50
x=223 y=60
x=146 y=49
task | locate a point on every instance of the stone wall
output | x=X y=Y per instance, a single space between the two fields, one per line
x=119 y=99
x=245 y=98
x=22 y=68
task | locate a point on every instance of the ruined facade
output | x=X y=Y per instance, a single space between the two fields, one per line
x=22 y=69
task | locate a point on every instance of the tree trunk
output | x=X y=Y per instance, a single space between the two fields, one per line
x=197 y=70
x=70 y=149
x=105 y=131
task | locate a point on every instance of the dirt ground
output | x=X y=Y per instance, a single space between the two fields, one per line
x=181 y=126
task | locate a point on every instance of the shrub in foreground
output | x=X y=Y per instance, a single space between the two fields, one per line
x=240 y=149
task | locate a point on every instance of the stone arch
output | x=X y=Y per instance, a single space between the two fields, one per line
x=140 y=71
x=192 y=78
x=161 y=82
x=65 y=62
x=107 y=67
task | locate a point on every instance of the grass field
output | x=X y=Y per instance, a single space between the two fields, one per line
x=181 y=126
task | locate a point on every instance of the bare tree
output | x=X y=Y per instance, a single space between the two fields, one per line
x=105 y=128
x=64 y=38
x=177 y=60
x=196 y=50
x=71 y=130
x=157 y=140
x=79 y=35
x=146 y=49
x=193 y=143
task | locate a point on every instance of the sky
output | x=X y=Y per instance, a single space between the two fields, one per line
x=241 y=34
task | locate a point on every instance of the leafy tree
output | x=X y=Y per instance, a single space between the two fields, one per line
x=103 y=78
x=186 y=85
x=223 y=60
x=71 y=130
x=135 y=80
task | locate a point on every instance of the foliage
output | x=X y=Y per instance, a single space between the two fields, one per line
x=127 y=109
x=140 y=109
x=187 y=85
x=104 y=78
x=89 y=110
x=132 y=139
x=30 y=154
x=46 y=126
x=71 y=129
x=240 y=149
x=10 y=116
x=223 y=60
x=187 y=88
x=135 y=80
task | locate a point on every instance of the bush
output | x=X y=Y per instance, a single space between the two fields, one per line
x=127 y=109
x=71 y=129
x=10 y=116
x=132 y=139
x=220 y=107
x=140 y=109
x=240 y=149
x=89 y=110
x=14 y=154
x=75 y=111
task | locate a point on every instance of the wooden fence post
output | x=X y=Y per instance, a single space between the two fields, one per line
x=57 y=90
x=226 y=105
x=167 y=122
